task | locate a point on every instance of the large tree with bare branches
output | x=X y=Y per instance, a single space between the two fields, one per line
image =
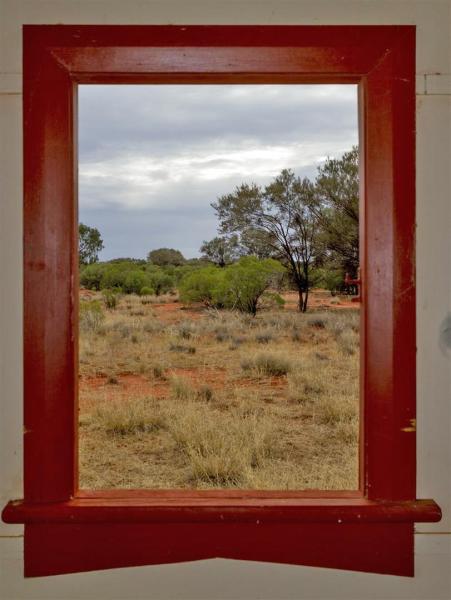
x=280 y=217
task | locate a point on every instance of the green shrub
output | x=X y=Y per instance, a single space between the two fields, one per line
x=117 y=271
x=160 y=282
x=244 y=283
x=200 y=285
x=113 y=277
x=238 y=286
x=330 y=279
x=146 y=291
x=271 y=300
x=134 y=281
x=178 y=273
x=91 y=276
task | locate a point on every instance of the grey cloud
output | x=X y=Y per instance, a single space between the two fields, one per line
x=153 y=158
x=133 y=233
x=161 y=119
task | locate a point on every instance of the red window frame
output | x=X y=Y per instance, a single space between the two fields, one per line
x=67 y=529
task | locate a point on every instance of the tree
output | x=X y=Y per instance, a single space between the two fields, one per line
x=256 y=242
x=163 y=257
x=221 y=251
x=336 y=206
x=282 y=215
x=90 y=244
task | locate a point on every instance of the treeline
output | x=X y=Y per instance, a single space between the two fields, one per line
x=133 y=276
x=295 y=233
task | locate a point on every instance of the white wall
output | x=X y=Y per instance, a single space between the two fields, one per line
x=235 y=579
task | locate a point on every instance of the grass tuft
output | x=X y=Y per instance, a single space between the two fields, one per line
x=122 y=418
x=267 y=363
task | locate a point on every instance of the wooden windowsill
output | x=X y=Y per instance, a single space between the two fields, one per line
x=157 y=507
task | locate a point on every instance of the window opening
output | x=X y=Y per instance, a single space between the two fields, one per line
x=219 y=253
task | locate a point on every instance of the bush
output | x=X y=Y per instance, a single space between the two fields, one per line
x=134 y=281
x=238 y=286
x=113 y=277
x=271 y=300
x=245 y=282
x=160 y=282
x=200 y=285
x=146 y=291
x=178 y=273
x=91 y=316
x=117 y=271
x=330 y=279
x=110 y=299
x=91 y=276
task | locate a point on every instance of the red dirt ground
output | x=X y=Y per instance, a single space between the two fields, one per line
x=131 y=385
x=136 y=385
x=320 y=299
x=171 y=312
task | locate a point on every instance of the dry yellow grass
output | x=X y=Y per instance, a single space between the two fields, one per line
x=176 y=398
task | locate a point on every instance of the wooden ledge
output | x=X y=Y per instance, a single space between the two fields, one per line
x=155 y=508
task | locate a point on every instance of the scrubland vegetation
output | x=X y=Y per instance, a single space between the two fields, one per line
x=232 y=369
x=177 y=395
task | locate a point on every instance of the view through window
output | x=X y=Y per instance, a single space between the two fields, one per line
x=219 y=254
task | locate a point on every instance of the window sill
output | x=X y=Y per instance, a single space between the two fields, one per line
x=144 y=507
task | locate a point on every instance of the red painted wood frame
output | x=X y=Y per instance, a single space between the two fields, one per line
x=371 y=529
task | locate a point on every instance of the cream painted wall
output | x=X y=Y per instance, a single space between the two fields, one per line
x=235 y=579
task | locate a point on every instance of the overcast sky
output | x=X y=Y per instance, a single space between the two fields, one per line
x=153 y=158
